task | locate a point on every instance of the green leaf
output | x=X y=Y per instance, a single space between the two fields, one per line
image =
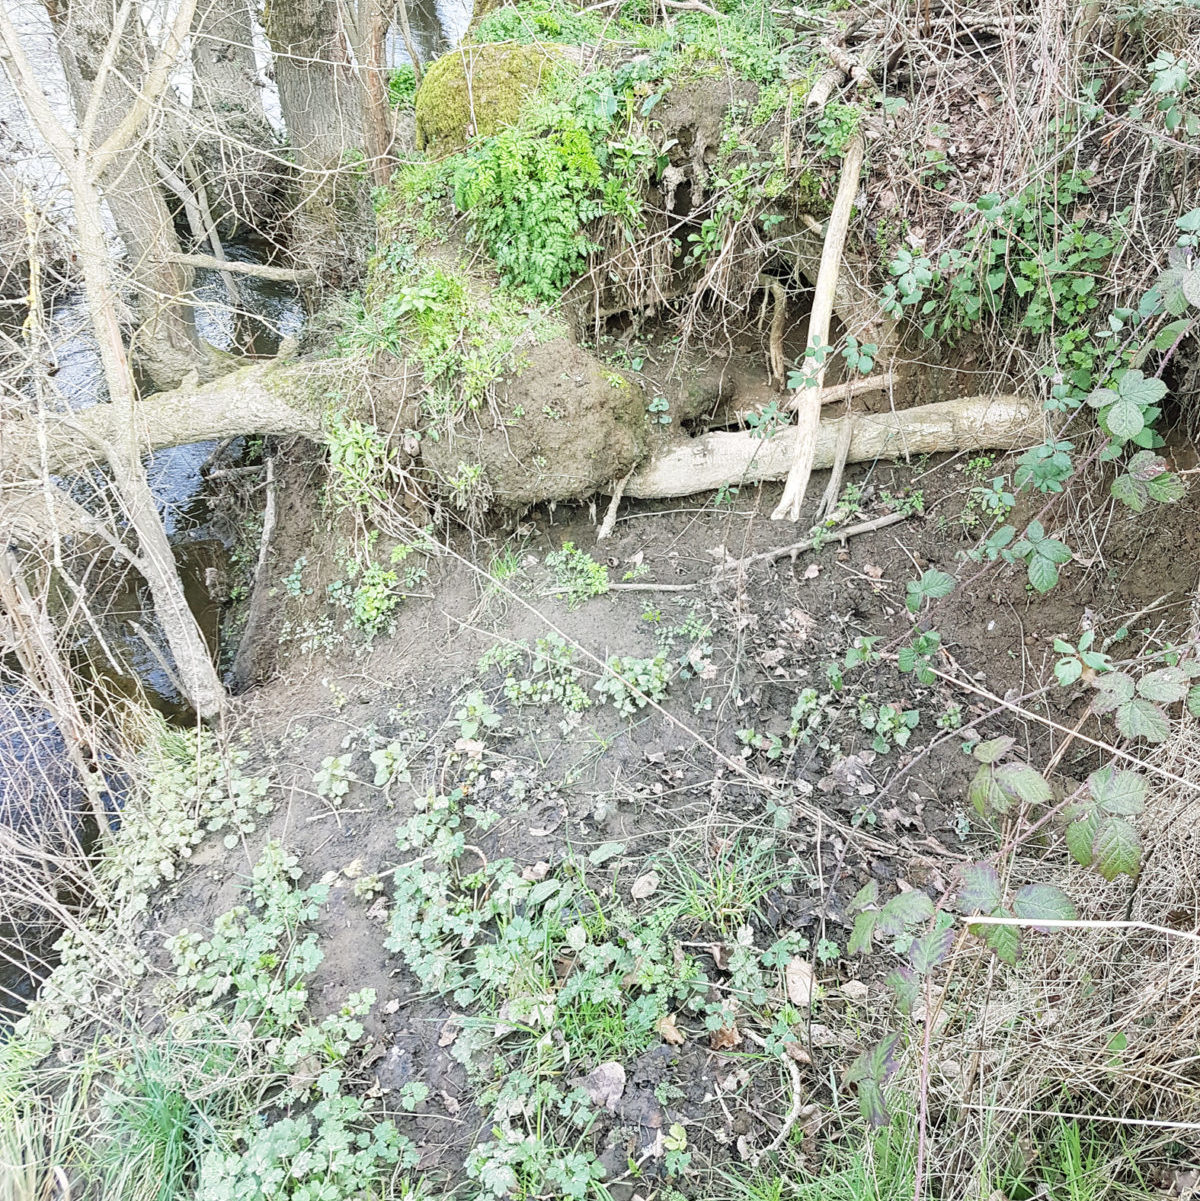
x=1081 y=836
x=1168 y=335
x=1166 y=685
x=542 y=891
x=867 y=895
x=1023 y=783
x=993 y=749
x=1044 y=901
x=980 y=891
x=1125 y=420
x=986 y=795
x=1112 y=690
x=903 y=984
x=1190 y=286
x=1005 y=941
x=1116 y=848
x=1193 y=700
x=1120 y=792
x=1130 y=492
x=903 y=910
x=931 y=950
x=1167 y=488
x=871 y=1071
x=1141 y=719
x=1133 y=386
x=1043 y=574
x=861 y=935
x=606 y=851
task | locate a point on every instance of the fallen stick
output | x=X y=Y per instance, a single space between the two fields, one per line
x=833 y=535
x=715 y=460
x=610 y=517
x=288 y=275
x=808 y=400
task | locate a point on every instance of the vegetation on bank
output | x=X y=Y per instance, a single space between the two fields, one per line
x=203 y=1064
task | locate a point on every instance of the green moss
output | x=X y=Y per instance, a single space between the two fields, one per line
x=476 y=91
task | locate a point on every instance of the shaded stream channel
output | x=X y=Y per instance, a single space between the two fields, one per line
x=35 y=775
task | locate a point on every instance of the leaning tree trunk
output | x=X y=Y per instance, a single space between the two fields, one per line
x=320 y=94
x=165 y=344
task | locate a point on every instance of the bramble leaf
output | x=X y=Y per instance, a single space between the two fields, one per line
x=980 y=891
x=903 y=910
x=1166 y=685
x=1112 y=690
x=871 y=1071
x=931 y=950
x=1044 y=901
x=1005 y=941
x=993 y=749
x=903 y=983
x=861 y=935
x=1081 y=835
x=1023 y=783
x=1121 y=792
x=1117 y=848
x=1141 y=719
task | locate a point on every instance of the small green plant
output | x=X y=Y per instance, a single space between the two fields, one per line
x=891 y=725
x=375 y=600
x=659 y=411
x=933 y=585
x=630 y=683
x=576 y=574
x=334 y=777
x=475 y=714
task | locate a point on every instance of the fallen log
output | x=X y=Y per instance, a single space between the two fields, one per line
x=713 y=460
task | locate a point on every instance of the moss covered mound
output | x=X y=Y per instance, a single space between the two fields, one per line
x=476 y=90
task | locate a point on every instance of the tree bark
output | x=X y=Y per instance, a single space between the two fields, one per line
x=83 y=163
x=712 y=460
x=263 y=398
x=165 y=345
x=228 y=124
x=321 y=98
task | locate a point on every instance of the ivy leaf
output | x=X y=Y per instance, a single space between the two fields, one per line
x=1166 y=685
x=1117 y=849
x=1119 y=792
x=903 y=910
x=1141 y=719
x=1044 y=901
x=903 y=983
x=1022 y=782
x=861 y=935
x=1081 y=837
x=980 y=891
x=994 y=749
x=931 y=950
x=1112 y=691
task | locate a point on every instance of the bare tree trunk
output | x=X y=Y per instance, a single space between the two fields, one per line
x=229 y=124
x=83 y=164
x=321 y=98
x=368 y=25
x=165 y=344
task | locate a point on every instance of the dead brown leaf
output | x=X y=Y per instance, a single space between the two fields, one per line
x=604 y=1084
x=725 y=1038
x=801 y=982
x=644 y=886
x=669 y=1032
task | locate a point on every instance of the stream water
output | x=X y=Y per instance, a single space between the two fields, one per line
x=33 y=773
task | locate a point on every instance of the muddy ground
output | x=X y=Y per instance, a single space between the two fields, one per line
x=676 y=783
